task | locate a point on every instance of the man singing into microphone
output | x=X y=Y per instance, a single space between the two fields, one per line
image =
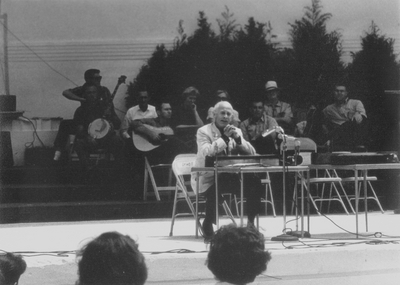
x=222 y=138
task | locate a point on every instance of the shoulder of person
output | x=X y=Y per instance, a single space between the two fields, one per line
x=105 y=89
x=133 y=109
x=245 y=122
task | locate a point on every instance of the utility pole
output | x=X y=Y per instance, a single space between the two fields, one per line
x=3 y=17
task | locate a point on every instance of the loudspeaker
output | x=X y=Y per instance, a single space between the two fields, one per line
x=6 y=154
x=8 y=103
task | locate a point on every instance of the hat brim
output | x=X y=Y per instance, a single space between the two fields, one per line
x=272 y=89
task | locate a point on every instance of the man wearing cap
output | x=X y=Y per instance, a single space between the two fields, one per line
x=280 y=111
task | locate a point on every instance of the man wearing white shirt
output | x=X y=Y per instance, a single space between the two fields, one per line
x=134 y=158
x=141 y=111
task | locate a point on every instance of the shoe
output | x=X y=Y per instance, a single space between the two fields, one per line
x=57 y=155
x=251 y=225
x=207 y=229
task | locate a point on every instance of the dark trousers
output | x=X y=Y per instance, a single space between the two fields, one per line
x=112 y=142
x=230 y=183
x=66 y=128
x=349 y=135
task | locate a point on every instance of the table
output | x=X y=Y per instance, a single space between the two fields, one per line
x=356 y=168
x=246 y=169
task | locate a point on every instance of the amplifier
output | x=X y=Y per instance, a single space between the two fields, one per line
x=346 y=158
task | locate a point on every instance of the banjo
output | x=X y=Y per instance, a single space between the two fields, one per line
x=101 y=128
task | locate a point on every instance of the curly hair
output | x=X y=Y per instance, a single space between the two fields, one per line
x=11 y=268
x=237 y=254
x=112 y=258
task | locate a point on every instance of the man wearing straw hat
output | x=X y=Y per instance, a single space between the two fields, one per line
x=280 y=111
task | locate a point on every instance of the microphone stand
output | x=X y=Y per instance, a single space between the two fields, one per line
x=284 y=236
x=298 y=233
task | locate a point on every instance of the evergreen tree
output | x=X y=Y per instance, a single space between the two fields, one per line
x=373 y=70
x=238 y=60
x=316 y=62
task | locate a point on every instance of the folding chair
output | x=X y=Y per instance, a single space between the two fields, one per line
x=182 y=166
x=369 y=186
x=268 y=192
x=148 y=172
x=334 y=181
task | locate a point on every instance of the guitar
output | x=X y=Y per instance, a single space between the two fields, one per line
x=143 y=144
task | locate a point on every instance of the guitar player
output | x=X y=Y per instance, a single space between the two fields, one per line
x=155 y=136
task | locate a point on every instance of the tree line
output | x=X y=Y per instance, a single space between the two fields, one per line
x=241 y=59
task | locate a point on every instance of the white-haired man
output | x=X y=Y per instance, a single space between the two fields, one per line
x=222 y=138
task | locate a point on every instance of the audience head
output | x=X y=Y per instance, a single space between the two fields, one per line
x=11 y=268
x=164 y=110
x=222 y=95
x=340 y=92
x=256 y=109
x=143 y=98
x=237 y=254
x=92 y=76
x=189 y=96
x=223 y=114
x=90 y=92
x=111 y=258
x=272 y=91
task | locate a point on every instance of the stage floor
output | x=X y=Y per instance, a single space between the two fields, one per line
x=331 y=256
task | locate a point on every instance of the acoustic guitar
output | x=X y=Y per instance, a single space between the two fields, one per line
x=143 y=144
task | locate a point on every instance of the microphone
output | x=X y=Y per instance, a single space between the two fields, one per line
x=297 y=144
x=271 y=131
x=268 y=132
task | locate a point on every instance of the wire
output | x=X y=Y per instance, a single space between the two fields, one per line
x=31 y=144
x=45 y=62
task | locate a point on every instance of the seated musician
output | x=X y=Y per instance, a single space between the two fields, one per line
x=222 y=95
x=345 y=122
x=253 y=127
x=222 y=138
x=280 y=111
x=134 y=159
x=163 y=145
x=97 y=105
x=68 y=127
